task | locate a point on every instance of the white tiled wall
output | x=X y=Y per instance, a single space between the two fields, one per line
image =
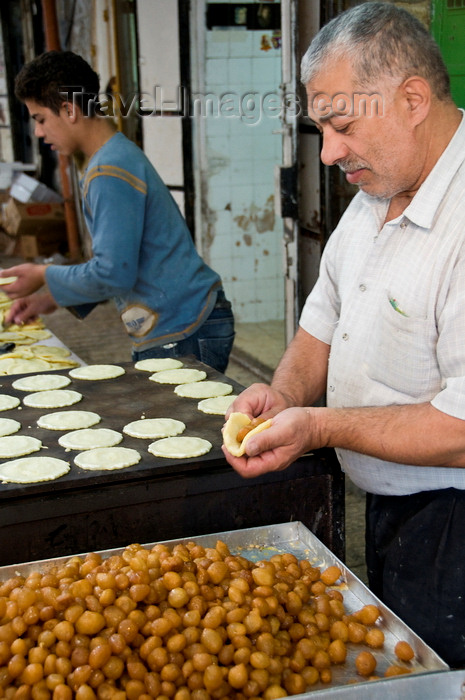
x=245 y=241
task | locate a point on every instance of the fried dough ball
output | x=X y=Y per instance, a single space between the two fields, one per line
x=186 y=622
x=330 y=575
x=374 y=638
x=367 y=615
x=395 y=670
x=365 y=663
x=356 y=632
x=404 y=651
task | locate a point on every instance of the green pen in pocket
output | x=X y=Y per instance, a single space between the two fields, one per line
x=396 y=307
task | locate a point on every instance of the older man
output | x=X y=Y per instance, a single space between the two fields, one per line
x=383 y=331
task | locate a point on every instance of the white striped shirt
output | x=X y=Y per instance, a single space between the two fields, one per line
x=390 y=300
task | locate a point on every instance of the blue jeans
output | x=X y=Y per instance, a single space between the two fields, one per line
x=211 y=343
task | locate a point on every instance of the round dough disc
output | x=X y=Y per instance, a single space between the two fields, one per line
x=158 y=364
x=41 y=382
x=218 y=405
x=35 y=333
x=8 y=335
x=153 y=428
x=107 y=458
x=233 y=425
x=90 y=438
x=203 y=390
x=29 y=470
x=55 y=398
x=8 y=426
x=6 y=364
x=7 y=402
x=28 y=366
x=18 y=445
x=68 y=420
x=7 y=280
x=93 y=372
x=52 y=351
x=180 y=447
x=178 y=376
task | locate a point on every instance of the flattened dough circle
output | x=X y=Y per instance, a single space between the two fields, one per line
x=217 y=405
x=158 y=364
x=8 y=426
x=68 y=420
x=13 y=446
x=96 y=372
x=180 y=447
x=154 y=428
x=90 y=438
x=233 y=425
x=55 y=398
x=178 y=376
x=41 y=382
x=203 y=390
x=107 y=458
x=8 y=280
x=7 y=402
x=29 y=470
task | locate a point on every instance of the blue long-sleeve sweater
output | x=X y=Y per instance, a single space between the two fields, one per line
x=143 y=255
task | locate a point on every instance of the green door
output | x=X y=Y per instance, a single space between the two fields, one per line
x=448 y=28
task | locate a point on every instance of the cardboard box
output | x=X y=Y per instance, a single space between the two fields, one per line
x=46 y=243
x=33 y=218
x=9 y=171
x=7 y=243
x=27 y=189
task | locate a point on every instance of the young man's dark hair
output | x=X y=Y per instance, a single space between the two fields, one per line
x=58 y=76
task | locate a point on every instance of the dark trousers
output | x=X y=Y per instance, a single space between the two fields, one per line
x=211 y=343
x=415 y=551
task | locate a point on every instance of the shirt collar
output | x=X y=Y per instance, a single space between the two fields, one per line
x=422 y=209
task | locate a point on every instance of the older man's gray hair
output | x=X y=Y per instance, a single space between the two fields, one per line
x=382 y=42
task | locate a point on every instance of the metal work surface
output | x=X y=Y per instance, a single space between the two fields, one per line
x=157 y=498
x=264 y=542
x=119 y=401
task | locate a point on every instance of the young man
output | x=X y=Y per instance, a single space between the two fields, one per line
x=171 y=303
x=383 y=330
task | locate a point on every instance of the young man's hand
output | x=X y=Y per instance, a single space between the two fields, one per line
x=30 y=278
x=30 y=307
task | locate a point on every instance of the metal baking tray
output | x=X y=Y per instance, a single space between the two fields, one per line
x=264 y=542
x=443 y=685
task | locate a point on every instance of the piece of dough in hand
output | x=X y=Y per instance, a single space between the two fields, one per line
x=233 y=426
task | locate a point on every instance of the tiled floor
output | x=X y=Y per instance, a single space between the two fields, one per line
x=263 y=343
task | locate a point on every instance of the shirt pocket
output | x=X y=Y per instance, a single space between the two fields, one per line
x=402 y=354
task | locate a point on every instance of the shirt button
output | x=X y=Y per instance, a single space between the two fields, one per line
x=403 y=224
x=362 y=287
x=331 y=387
x=345 y=336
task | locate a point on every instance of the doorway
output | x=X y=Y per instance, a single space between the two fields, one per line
x=235 y=105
